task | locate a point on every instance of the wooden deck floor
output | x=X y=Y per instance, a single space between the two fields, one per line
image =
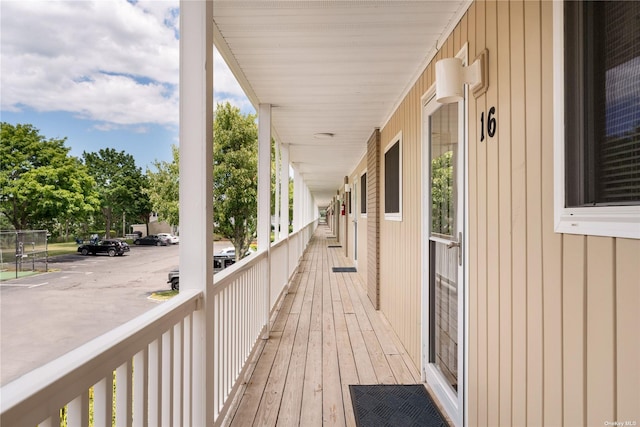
x=326 y=336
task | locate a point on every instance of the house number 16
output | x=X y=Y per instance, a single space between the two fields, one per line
x=491 y=124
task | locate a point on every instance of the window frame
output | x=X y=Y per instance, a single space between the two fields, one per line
x=610 y=221
x=393 y=216
x=363 y=194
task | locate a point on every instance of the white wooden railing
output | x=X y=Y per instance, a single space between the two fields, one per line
x=141 y=373
x=239 y=294
x=148 y=357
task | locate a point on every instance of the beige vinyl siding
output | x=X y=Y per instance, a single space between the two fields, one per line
x=553 y=319
x=373 y=218
x=627 y=319
x=363 y=227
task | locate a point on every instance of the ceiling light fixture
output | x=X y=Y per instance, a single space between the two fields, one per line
x=323 y=135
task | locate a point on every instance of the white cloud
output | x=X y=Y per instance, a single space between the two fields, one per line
x=223 y=79
x=109 y=61
x=227 y=88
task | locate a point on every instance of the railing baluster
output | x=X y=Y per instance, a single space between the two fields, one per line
x=166 y=395
x=52 y=421
x=155 y=382
x=103 y=402
x=78 y=411
x=178 y=349
x=187 y=371
x=124 y=395
x=140 y=389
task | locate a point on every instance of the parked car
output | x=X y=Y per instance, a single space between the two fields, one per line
x=221 y=260
x=224 y=258
x=151 y=240
x=170 y=238
x=174 y=279
x=111 y=247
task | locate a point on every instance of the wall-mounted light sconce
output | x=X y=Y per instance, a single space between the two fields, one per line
x=451 y=76
x=347 y=188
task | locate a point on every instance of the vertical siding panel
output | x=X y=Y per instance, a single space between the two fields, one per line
x=504 y=148
x=552 y=242
x=627 y=321
x=457 y=42
x=407 y=212
x=518 y=216
x=373 y=218
x=601 y=341
x=413 y=221
x=493 y=226
x=463 y=30
x=473 y=386
x=533 y=89
x=481 y=180
x=574 y=329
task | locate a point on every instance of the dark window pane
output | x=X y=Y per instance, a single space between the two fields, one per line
x=392 y=179
x=602 y=103
x=363 y=193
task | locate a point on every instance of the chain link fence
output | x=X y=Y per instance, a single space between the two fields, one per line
x=23 y=251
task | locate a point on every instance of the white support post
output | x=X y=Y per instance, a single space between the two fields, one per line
x=196 y=191
x=276 y=201
x=264 y=197
x=284 y=191
x=297 y=202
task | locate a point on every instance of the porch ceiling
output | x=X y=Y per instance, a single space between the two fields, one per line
x=338 y=67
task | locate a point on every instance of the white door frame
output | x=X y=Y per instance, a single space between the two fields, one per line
x=456 y=406
x=354 y=220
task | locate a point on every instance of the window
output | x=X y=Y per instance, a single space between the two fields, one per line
x=597 y=78
x=363 y=194
x=393 y=180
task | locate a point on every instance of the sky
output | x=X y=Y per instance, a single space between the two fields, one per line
x=100 y=73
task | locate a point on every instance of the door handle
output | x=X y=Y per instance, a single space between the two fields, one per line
x=458 y=245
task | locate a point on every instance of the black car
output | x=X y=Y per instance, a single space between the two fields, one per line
x=151 y=240
x=111 y=247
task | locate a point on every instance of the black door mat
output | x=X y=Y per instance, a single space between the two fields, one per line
x=394 y=405
x=334 y=246
x=344 y=269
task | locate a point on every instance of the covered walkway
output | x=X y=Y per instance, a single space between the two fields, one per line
x=326 y=336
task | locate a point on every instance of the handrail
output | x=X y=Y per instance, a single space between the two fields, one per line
x=225 y=277
x=236 y=297
x=33 y=397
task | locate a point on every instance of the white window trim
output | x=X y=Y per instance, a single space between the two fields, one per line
x=394 y=216
x=352 y=197
x=364 y=172
x=611 y=221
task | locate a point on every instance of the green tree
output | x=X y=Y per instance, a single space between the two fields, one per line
x=40 y=182
x=235 y=176
x=164 y=188
x=121 y=185
x=442 y=214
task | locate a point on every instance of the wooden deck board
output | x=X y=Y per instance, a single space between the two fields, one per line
x=326 y=336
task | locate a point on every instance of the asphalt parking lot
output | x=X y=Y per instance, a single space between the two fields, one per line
x=44 y=316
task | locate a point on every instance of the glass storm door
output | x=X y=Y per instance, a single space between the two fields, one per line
x=444 y=280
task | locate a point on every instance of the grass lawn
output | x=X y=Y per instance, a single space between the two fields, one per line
x=62 y=248
x=7 y=275
x=163 y=295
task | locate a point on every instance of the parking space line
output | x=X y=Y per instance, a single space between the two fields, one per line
x=38 y=285
x=14 y=285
